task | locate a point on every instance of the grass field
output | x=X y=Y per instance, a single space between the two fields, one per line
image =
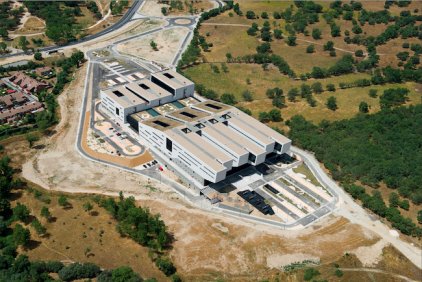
x=234 y=39
x=76 y=235
x=235 y=82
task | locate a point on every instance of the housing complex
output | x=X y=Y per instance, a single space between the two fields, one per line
x=28 y=84
x=14 y=104
x=208 y=140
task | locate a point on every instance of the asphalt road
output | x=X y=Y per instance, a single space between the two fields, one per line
x=125 y=19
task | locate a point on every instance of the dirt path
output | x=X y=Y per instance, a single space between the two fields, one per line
x=60 y=167
x=298 y=39
x=378 y=271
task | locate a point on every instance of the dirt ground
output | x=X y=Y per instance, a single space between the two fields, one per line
x=168 y=42
x=153 y=8
x=206 y=245
x=75 y=235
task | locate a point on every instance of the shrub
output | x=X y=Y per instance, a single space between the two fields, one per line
x=332 y=103
x=250 y=15
x=359 y=53
x=331 y=87
x=310 y=273
x=373 y=93
x=247 y=96
x=76 y=271
x=228 y=99
x=310 y=48
x=165 y=265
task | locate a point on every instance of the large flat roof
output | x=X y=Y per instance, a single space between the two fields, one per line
x=243 y=125
x=239 y=139
x=209 y=148
x=148 y=90
x=262 y=128
x=124 y=97
x=173 y=79
x=212 y=106
x=194 y=148
x=162 y=123
x=188 y=114
x=225 y=141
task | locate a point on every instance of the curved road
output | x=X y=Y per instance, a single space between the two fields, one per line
x=125 y=19
x=348 y=208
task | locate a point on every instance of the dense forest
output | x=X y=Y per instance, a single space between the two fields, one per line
x=9 y=18
x=383 y=147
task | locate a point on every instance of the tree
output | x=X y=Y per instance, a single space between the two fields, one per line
x=164 y=11
x=45 y=212
x=3 y=33
x=278 y=101
x=329 y=46
x=3 y=47
x=123 y=274
x=310 y=273
x=165 y=265
x=39 y=228
x=77 y=58
x=63 y=201
x=23 y=43
x=292 y=94
x=263 y=117
x=359 y=53
x=153 y=45
x=274 y=115
x=373 y=93
x=76 y=271
x=247 y=96
x=310 y=48
x=393 y=97
x=316 y=33
x=21 y=212
x=305 y=90
x=21 y=236
x=264 y=48
x=420 y=217
x=363 y=107
x=338 y=272
x=335 y=30
x=291 y=40
x=402 y=56
x=253 y=29
x=317 y=87
x=31 y=138
x=318 y=72
x=228 y=99
x=356 y=29
x=404 y=205
x=278 y=34
x=264 y=15
x=250 y=15
x=38 y=56
x=331 y=87
x=332 y=103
